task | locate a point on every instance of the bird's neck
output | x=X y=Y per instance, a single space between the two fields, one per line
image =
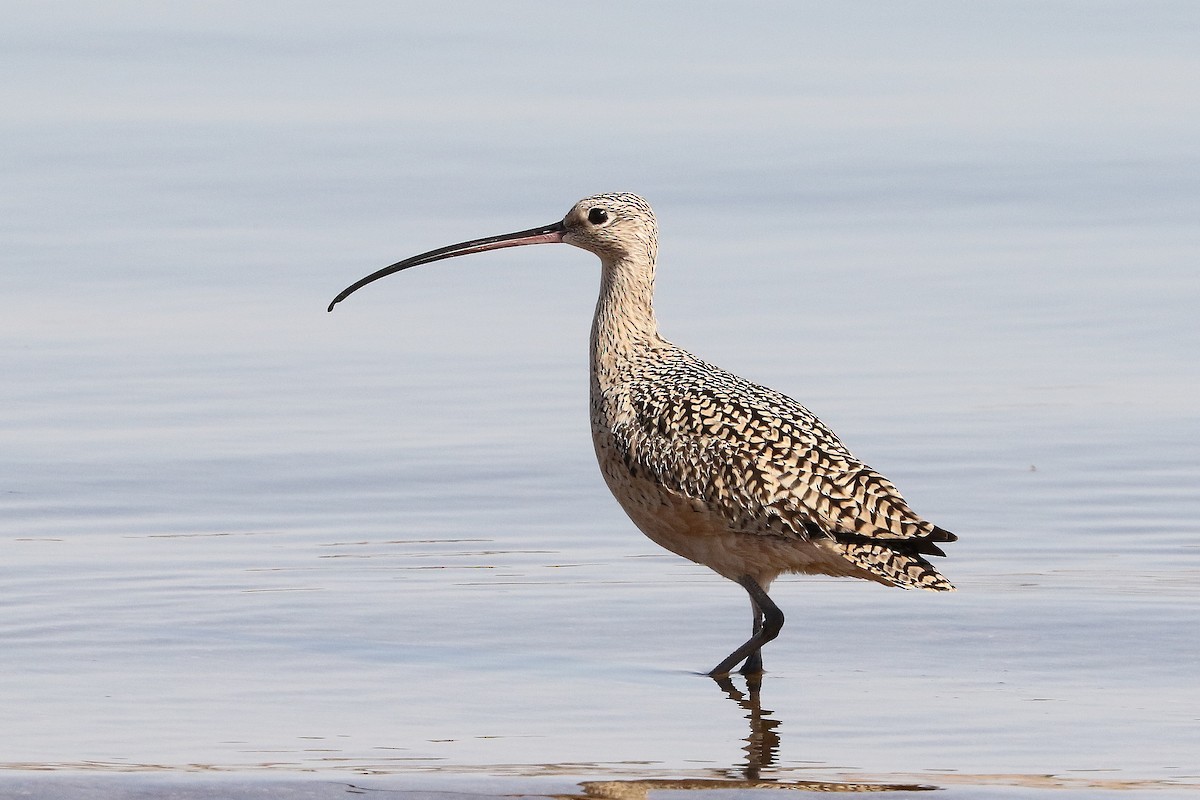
x=624 y=326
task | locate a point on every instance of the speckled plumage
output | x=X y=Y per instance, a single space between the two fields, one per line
x=720 y=470
x=723 y=471
x=749 y=461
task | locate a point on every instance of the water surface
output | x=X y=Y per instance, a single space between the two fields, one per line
x=241 y=535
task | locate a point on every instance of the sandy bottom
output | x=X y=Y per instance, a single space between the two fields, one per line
x=144 y=786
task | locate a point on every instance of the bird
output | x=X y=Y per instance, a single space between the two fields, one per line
x=717 y=469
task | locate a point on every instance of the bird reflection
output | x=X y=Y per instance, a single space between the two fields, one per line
x=762 y=751
x=762 y=745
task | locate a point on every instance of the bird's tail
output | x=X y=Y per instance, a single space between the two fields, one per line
x=905 y=569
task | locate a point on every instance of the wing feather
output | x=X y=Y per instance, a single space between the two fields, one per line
x=762 y=460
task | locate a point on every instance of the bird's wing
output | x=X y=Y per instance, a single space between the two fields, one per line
x=763 y=461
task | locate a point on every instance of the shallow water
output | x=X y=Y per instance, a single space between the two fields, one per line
x=239 y=534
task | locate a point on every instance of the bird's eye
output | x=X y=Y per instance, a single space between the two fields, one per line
x=597 y=216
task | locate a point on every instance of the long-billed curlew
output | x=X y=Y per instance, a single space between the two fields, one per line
x=710 y=466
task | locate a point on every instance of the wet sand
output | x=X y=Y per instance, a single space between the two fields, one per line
x=243 y=786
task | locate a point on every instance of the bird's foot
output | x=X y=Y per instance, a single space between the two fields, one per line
x=753 y=665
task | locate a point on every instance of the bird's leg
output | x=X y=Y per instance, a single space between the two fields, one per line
x=753 y=664
x=772 y=621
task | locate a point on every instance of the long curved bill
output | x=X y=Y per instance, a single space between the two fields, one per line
x=544 y=235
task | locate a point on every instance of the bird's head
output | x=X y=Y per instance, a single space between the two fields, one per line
x=613 y=225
